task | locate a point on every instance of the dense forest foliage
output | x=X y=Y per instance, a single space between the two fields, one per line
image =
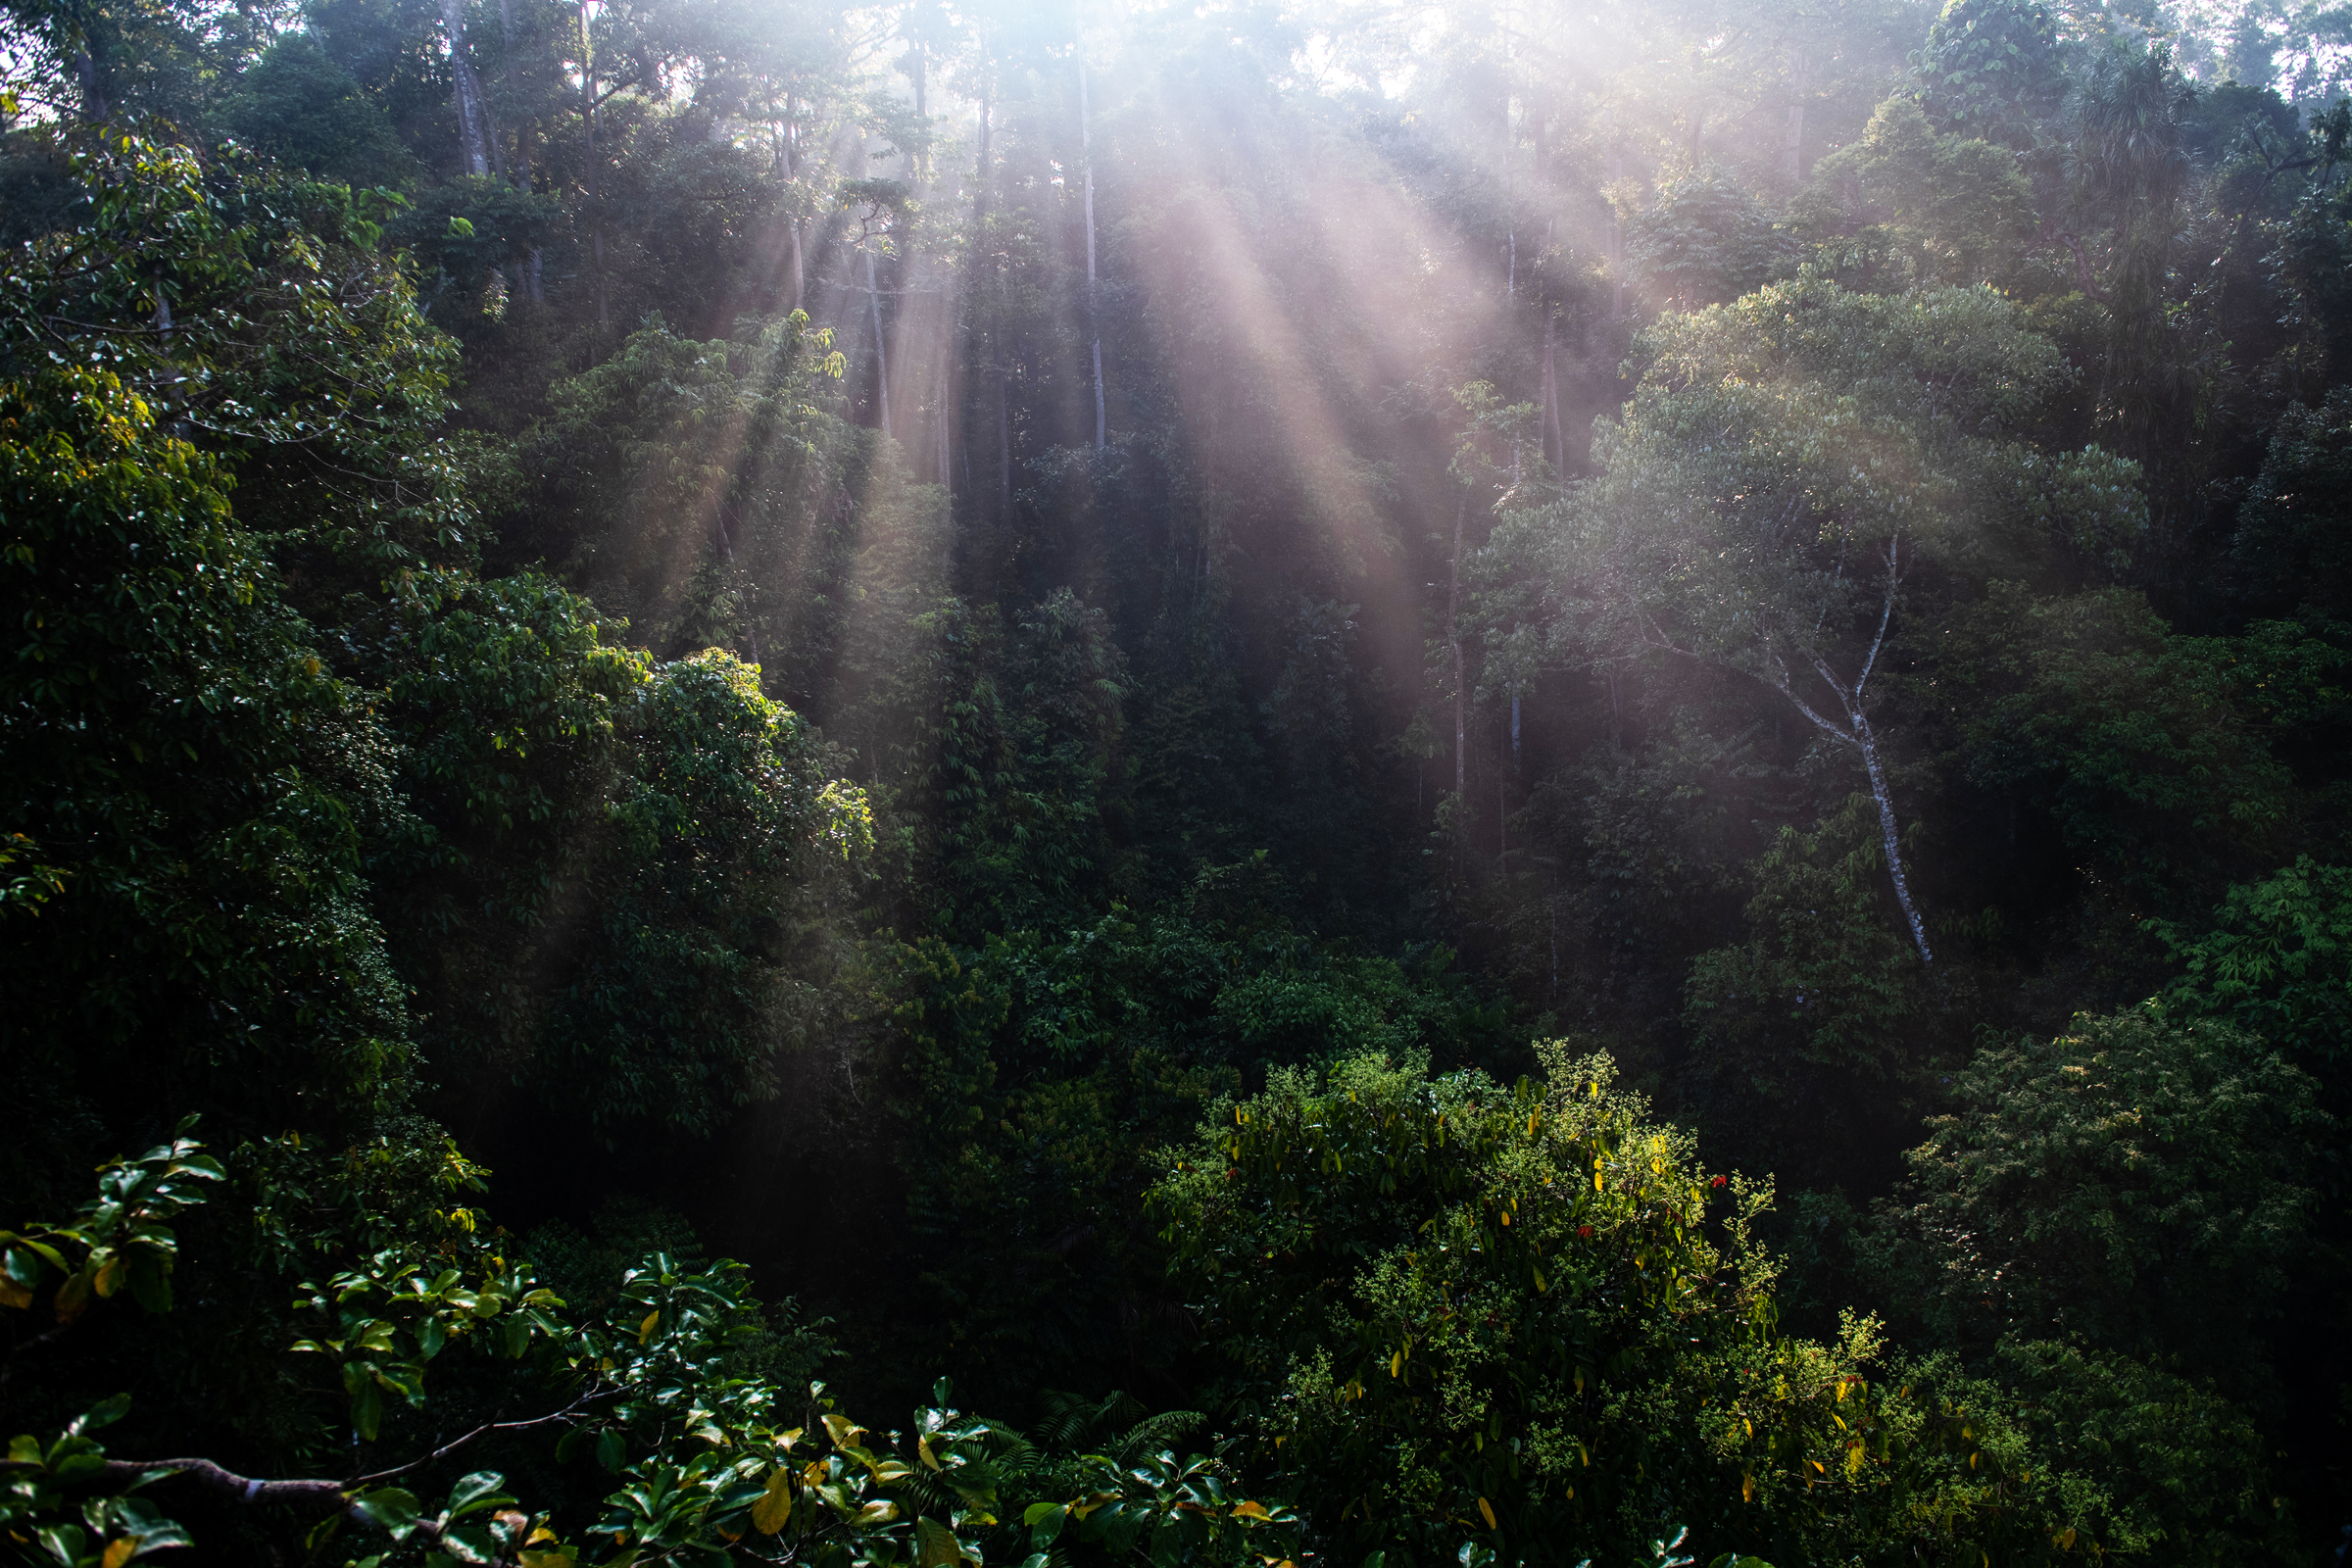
x=1371 y=784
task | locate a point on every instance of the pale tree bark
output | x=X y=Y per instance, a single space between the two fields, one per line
x=533 y=272
x=1557 y=438
x=1085 y=157
x=792 y=223
x=474 y=112
x=1616 y=172
x=996 y=346
x=1851 y=728
x=596 y=179
x=94 y=106
x=1454 y=642
x=873 y=300
x=1792 y=139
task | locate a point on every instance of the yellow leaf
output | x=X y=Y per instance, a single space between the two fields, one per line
x=842 y=1430
x=1747 y=1489
x=539 y=1534
x=1251 y=1510
x=922 y=1451
x=644 y=1330
x=774 y=1511
x=1486 y=1511
x=1397 y=1364
x=74 y=1296
x=547 y=1559
x=877 y=1513
x=119 y=1551
x=14 y=1294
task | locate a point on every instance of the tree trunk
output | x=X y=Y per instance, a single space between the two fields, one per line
x=1856 y=732
x=873 y=300
x=1453 y=641
x=1085 y=157
x=1003 y=439
x=1792 y=140
x=519 y=172
x=994 y=323
x=465 y=93
x=1869 y=746
x=596 y=179
x=94 y=106
x=1557 y=451
x=1616 y=172
x=792 y=223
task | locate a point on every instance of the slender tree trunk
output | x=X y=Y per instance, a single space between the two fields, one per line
x=94 y=106
x=1792 y=140
x=1453 y=641
x=1616 y=168
x=506 y=53
x=791 y=225
x=1552 y=395
x=465 y=91
x=532 y=270
x=1857 y=733
x=991 y=364
x=1086 y=156
x=596 y=178
x=996 y=328
x=1004 y=440
x=1878 y=792
x=873 y=300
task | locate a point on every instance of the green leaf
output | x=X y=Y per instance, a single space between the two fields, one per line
x=65 y=1543
x=470 y=1544
x=105 y=1414
x=476 y=1492
x=1043 y=1521
x=391 y=1509
x=367 y=1409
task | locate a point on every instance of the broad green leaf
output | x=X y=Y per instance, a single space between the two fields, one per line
x=392 y=1509
x=474 y=1492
